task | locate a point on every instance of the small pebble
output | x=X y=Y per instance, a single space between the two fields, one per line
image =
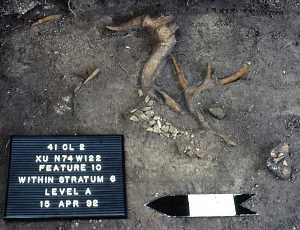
x=165 y=128
x=134 y=118
x=139 y=113
x=150 y=113
x=140 y=93
x=152 y=122
x=156 y=129
x=150 y=129
x=159 y=124
x=172 y=129
x=250 y=108
x=175 y=133
x=166 y=134
x=146 y=108
x=147 y=98
x=144 y=117
x=156 y=118
x=151 y=103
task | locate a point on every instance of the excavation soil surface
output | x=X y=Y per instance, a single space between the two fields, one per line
x=40 y=66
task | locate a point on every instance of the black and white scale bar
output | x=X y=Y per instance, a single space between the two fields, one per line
x=202 y=205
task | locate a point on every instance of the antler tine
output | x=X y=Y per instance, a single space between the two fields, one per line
x=169 y=101
x=182 y=81
x=154 y=23
x=236 y=75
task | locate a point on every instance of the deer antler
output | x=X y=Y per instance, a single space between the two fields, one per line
x=163 y=29
x=208 y=83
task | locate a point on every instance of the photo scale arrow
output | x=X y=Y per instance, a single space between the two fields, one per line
x=202 y=205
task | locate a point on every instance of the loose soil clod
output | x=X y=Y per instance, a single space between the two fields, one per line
x=279 y=162
x=163 y=29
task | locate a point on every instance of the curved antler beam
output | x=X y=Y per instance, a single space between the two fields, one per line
x=163 y=29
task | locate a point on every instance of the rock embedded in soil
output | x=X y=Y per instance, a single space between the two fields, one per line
x=217 y=112
x=279 y=162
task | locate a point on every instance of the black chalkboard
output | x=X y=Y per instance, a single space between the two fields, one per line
x=66 y=177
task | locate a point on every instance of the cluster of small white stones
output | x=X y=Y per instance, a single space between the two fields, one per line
x=153 y=122
x=63 y=106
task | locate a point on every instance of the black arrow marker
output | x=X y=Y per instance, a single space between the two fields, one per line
x=202 y=205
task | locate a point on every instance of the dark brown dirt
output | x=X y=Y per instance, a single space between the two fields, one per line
x=40 y=67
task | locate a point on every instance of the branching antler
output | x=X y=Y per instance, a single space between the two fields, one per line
x=163 y=29
x=182 y=81
x=208 y=83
